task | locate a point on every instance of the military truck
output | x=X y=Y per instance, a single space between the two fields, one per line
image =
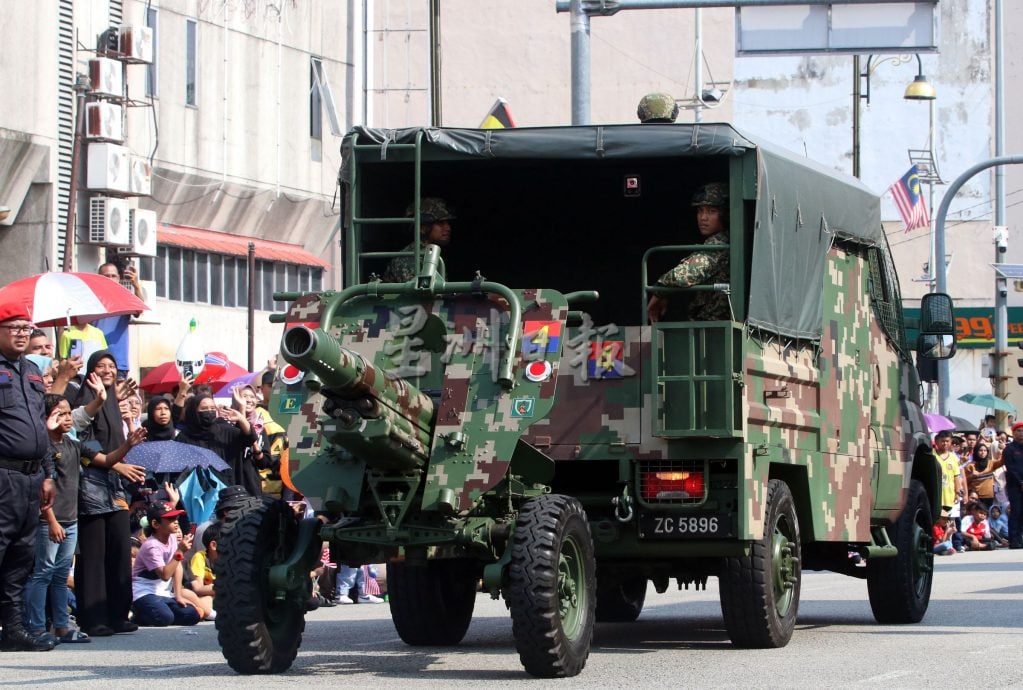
x=508 y=420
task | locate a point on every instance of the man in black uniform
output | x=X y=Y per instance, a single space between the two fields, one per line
x=25 y=485
x=1013 y=457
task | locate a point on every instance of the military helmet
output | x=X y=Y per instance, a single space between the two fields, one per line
x=431 y=210
x=657 y=107
x=713 y=194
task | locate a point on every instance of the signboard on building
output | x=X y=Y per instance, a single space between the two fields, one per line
x=859 y=28
x=975 y=326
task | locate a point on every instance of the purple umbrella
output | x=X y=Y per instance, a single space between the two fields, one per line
x=243 y=380
x=936 y=422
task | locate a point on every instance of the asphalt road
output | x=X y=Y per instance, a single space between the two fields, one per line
x=972 y=634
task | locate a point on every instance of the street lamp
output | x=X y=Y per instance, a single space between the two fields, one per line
x=919 y=90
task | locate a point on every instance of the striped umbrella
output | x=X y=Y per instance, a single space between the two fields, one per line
x=60 y=299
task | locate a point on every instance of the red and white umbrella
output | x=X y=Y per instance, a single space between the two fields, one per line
x=57 y=299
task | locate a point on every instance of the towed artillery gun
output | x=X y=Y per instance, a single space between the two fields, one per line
x=547 y=442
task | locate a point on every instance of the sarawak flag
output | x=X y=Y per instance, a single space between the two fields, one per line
x=906 y=191
x=499 y=116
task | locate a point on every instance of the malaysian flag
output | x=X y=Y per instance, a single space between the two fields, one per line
x=906 y=191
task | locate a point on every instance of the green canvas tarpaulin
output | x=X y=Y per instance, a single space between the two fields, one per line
x=801 y=206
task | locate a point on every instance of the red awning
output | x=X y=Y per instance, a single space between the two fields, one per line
x=234 y=245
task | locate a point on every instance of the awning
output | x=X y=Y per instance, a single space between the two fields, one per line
x=213 y=242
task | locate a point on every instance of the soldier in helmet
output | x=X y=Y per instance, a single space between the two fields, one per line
x=434 y=228
x=711 y=202
x=657 y=107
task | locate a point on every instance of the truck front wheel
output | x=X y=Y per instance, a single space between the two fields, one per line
x=760 y=591
x=551 y=587
x=432 y=602
x=900 y=587
x=259 y=631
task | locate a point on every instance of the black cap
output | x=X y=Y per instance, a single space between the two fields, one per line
x=231 y=495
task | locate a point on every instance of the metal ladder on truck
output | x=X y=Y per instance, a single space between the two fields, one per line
x=355 y=257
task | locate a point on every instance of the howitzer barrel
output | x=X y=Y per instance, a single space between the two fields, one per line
x=382 y=417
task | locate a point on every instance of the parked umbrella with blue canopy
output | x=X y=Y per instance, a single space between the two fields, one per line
x=199 y=491
x=173 y=456
x=989 y=401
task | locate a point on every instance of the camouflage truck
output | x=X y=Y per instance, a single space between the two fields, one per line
x=545 y=443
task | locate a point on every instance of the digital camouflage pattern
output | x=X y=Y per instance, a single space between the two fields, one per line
x=407 y=432
x=711 y=194
x=657 y=107
x=402 y=269
x=703 y=268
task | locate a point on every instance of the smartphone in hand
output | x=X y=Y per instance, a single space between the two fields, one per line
x=77 y=348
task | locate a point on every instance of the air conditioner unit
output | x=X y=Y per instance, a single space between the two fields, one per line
x=108 y=221
x=140 y=176
x=104 y=122
x=106 y=77
x=107 y=168
x=143 y=232
x=135 y=43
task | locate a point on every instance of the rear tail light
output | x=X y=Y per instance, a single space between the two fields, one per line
x=679 y=486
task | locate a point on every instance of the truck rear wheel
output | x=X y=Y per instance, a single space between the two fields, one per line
x=760 y=592
x=258 y=632
x=432 y=602
x=900 y=587
x=619 y=600
x=551 y=587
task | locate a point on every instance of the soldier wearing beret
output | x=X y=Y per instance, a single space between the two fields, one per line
x=26 y=485
x=434 y=228
x=702 y=268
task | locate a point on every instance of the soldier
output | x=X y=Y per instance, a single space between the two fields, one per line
x=434 y=228
x=657 y=107
x=26 y=475
x=711 y=202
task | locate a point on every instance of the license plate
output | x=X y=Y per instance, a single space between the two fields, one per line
x=686 y=526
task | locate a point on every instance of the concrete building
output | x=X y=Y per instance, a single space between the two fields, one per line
x=237 y=124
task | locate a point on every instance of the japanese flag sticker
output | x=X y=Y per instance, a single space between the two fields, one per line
x=538 y=371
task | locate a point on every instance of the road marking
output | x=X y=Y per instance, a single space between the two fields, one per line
x=888 y=676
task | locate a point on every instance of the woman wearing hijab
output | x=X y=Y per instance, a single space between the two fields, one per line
x=979 y=474
x=159 y=424
x=103 y=566
x=227 y=433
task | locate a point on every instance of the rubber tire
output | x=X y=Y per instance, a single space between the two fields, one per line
x=551 y=565
x=256 y=634
x=758 y=612
x=900 y=587
x=619 y=601
x=432 y=602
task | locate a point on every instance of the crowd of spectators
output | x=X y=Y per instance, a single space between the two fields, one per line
x=982 y=482
x=91 y=544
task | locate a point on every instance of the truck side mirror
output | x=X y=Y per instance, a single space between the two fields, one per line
x=937 y=339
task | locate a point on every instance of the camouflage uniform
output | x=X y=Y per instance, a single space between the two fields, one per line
x=403 y=268
x=705 y=268
x=432 y=210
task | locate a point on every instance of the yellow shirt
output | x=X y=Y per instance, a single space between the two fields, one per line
x=200 y=567
x=949 y=471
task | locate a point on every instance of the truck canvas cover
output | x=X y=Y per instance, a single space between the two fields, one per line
x=792 y=231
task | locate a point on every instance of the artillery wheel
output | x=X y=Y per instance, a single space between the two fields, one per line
x=257 y=632
x=432 y=602
x=619 y=600
x=760 y=592
x=551 y=588
x=900 y=587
